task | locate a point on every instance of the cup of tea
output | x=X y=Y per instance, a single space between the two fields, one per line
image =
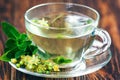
x=66 y=32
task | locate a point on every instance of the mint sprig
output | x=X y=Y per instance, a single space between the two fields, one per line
x=17 y=44
x=61 y=60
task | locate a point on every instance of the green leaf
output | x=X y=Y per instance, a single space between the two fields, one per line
x=23 y=42
x=11 y=52
x=44 y=55
x=33 y=49
x=23 y=37
x=8 y=55
x=61 y=60
x=19 y=53
x=11 y=43
x=89 y=21
x=10 y=30
x=4 y=57
x=23 y=45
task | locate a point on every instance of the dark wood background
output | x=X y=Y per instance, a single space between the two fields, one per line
x=13 y=12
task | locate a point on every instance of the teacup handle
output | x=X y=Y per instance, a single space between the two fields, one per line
x=99 y=45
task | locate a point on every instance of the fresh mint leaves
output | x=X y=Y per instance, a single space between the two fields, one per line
x=17 y=44
x=10 y=30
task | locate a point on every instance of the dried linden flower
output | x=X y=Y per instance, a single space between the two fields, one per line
x=56 y=68
x=14 y=60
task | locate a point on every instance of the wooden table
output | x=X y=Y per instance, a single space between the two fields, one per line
x=13 y=12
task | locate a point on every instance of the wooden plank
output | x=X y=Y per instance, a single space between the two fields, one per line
x=13 y=12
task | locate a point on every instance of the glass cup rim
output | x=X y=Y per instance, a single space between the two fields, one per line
x=64 y=3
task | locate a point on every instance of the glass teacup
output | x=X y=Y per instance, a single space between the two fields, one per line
x=65 y=32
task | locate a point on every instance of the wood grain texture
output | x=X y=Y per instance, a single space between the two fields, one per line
x=13 y=12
